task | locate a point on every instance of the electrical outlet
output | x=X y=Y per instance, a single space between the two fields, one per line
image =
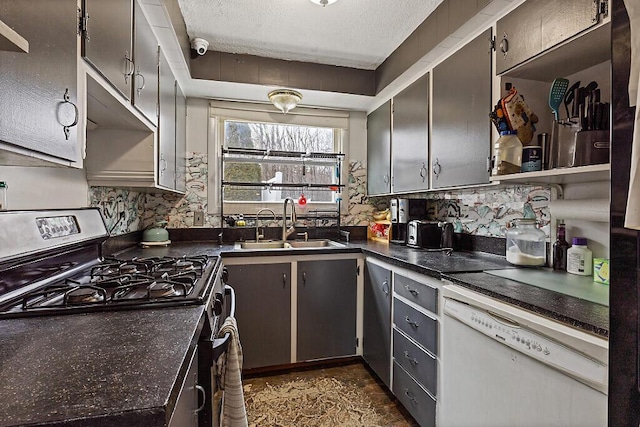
x=198 y=218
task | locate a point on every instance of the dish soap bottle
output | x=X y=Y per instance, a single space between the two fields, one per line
x=579 y=258
x=560 y=248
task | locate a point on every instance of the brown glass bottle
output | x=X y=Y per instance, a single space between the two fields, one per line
x=560 y=248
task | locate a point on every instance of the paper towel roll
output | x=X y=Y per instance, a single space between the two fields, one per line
x=582 y=209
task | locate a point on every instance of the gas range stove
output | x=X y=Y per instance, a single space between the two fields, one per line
x=57 y=268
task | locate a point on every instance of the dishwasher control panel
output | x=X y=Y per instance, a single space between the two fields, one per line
x=536 y=346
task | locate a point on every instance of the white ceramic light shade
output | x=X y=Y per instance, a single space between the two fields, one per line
x=285 y=100
x=323 y=3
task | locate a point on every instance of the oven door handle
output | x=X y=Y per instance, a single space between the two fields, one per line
x=220 y=345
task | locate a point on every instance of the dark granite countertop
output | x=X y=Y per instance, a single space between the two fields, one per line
x=84 y=370
x=576 y=312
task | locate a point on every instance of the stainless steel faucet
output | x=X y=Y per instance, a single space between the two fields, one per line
x=258 y=235
x=286 y=232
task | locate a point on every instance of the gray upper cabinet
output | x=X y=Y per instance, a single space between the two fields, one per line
x=376 y=341
x=460 y=129
x=379 y=150
x=107 y=43
x=326 y=309
x=535 y=26
x=38 y=90
x=145 y=51
x=263 y=312
x=167 y=125
x=409 y=154
x=181 y=140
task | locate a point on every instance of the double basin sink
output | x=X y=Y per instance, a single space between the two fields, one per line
x=289 y=244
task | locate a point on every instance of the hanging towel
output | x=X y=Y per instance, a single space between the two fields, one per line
x=632 y=216
x=229 y=368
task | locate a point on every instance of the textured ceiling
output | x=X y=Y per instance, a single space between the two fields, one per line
x=351 y=33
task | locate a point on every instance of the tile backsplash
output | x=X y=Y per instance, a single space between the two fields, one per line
x=479 y=211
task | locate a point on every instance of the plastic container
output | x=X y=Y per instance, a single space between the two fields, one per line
x=560 y=248
x=4 y=205
x=508 y=153
x=579 y=258
x=526 y=243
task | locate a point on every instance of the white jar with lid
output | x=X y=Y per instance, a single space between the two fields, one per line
x=508 y=153
x=579 y=258
x=526 y=243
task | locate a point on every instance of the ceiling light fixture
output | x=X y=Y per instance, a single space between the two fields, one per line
x=323 y=3
x=285 y=100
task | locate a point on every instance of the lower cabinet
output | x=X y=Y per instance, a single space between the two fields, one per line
x=263 y=312
x=420 y=404
x=185 y=413
x=327 y=297
x=415 y=346
x=401 y=335
x=295 y=309
x=376 y=337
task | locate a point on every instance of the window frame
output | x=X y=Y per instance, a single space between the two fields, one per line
x=222 y=111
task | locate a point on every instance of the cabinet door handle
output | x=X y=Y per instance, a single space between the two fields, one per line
x=413 y=292
x=504 y=45
x=284 y=280
x=66 y=100
x=129 y=67
x=385 y=288
x=204 y=398
x=437 y=168
x=164 y=166
x=413 y=399
x=413 y=361
x=423 y=172
x=141 y=87
x=304 y=278
x=411 y=322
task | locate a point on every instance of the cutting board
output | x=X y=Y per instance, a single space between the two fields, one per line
x=582 y=287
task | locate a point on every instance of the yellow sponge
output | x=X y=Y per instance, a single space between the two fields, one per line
x=601 y=270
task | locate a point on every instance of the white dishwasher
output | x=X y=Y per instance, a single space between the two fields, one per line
x=505 y=366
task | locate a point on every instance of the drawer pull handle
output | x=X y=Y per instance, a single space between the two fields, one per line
x=413 y=399
x=204 y=397
x=413 y=361
x=411 y=322
x=385 y=288
x=411 y=291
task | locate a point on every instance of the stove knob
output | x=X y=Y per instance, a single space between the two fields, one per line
x=225 y=275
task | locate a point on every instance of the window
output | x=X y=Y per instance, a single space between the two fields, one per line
x=288 y=160
x=267 y=157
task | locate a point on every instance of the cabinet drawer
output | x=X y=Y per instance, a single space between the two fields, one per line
x=421 y=294
x=422 y=328
x=418 y=363
x=413 y=397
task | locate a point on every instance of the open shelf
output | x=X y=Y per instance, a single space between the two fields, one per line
x=12 y=41
x=574 y=175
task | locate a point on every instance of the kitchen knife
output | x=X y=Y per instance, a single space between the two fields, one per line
x=569 y=98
